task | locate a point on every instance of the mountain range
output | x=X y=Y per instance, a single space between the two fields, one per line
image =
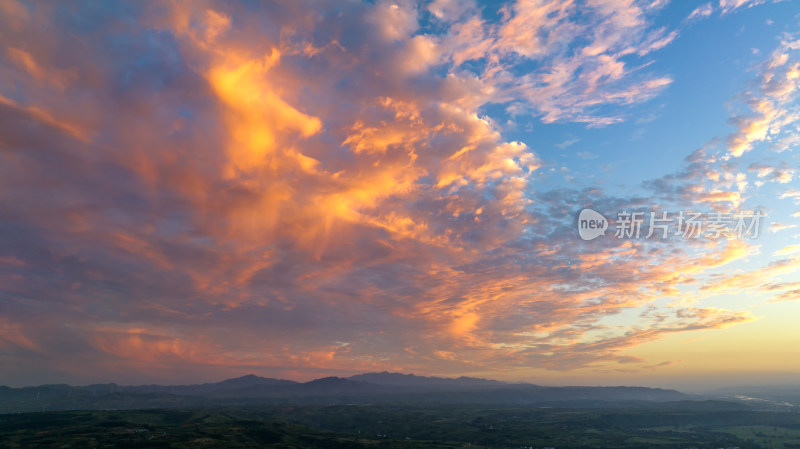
x=369 y=388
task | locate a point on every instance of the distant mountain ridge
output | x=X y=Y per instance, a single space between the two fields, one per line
x=412 y=380
x=367 y=388
x=248 y=381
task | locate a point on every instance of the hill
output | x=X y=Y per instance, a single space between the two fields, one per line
x=369 y=388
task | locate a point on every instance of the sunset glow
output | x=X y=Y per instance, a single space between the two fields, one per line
x=191 y=191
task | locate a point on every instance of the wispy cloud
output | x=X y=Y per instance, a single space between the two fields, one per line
x=771 y=101
x=727 y=6
x=701 y=12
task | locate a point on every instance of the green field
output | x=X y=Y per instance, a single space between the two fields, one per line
x=364 y=426
x=767 y=436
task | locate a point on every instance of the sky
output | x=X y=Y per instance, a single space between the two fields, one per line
x=192 y=191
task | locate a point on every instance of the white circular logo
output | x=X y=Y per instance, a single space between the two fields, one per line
x=591 y=224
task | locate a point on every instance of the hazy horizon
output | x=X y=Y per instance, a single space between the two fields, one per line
x=706 y=386
x=546 y=191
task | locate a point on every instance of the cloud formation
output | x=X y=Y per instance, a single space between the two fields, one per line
x=312 y=187
x=773 y=113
